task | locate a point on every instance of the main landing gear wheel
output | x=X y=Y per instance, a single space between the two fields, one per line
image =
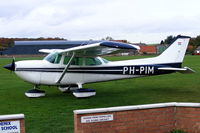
x=33 y=93
x=84 y=93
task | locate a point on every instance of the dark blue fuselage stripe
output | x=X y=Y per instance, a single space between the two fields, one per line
x=176 y=65
x=125 y=70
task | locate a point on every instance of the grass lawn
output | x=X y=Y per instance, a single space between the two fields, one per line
x=54 y=113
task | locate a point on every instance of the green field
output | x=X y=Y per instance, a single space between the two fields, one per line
x=54 y=113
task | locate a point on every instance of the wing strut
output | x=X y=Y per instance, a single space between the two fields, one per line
x=66 y=67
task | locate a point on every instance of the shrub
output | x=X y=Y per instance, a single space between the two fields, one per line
x=177 y=131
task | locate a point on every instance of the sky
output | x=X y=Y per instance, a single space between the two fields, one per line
x=148 y=21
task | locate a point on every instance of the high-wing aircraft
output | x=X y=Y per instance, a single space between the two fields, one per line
x=70 y=69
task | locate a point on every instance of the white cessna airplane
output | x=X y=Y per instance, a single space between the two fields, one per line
x=70 y=69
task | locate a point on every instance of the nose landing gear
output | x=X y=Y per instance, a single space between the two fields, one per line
x=33 y=93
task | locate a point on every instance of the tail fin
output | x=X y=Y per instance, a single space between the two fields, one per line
x=176 y=51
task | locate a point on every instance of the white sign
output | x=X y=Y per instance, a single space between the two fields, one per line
x=10 y=126
x=96 y=118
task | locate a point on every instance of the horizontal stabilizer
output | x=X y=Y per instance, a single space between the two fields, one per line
x=181 y=70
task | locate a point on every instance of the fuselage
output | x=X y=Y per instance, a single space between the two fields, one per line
x=43 y=72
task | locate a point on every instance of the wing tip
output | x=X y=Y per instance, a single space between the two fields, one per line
x=49 y=50
x=120 y=45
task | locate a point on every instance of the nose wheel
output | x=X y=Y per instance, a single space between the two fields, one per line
x=34 y=93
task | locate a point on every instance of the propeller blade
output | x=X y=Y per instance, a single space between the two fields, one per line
x=11 y=66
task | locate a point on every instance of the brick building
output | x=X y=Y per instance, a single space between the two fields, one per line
x=148 y=49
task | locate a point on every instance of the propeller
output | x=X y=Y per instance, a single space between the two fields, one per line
x=11 y=66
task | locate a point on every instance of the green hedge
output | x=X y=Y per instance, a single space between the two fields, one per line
x=177 y=131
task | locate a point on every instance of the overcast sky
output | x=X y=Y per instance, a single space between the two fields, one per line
x=147 y=21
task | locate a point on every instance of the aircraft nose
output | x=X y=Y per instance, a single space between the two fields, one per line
x=11 y=66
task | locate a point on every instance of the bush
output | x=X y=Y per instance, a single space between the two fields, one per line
x=177 y=131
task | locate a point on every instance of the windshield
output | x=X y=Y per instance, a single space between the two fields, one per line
x=104 y=60
x=53 y=58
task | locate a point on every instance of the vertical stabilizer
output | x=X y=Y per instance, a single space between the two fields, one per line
x=176 y=51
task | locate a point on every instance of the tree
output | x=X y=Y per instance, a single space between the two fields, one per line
x=162 y=42
x=108 y=38
x=169 y=39
x=195 y=42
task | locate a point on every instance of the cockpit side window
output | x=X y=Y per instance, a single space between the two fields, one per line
x=81 y=61
x=66 y=60
x=76 y=61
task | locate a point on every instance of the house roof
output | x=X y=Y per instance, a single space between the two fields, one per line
x=148 y=49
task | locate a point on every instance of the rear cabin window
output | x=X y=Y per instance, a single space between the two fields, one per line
x=92 y=61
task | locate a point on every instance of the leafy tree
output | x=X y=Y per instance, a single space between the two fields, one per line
x=177 y=131
x=108 y=38
x=162 y=42
x=195 y=42
x=169 y=39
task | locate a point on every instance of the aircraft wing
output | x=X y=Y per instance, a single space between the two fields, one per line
x=97 y=49
x=49 y=50
x=181 y=70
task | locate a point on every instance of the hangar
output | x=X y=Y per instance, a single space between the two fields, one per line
x=32 y=47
